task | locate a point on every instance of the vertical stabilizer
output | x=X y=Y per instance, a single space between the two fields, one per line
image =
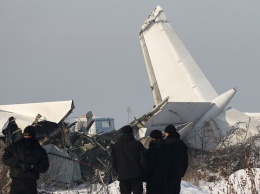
x=172 y=70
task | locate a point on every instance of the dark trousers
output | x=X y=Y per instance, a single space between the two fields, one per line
x=131 y=185
x=23 y=186
x=155 y=185
x=173 y=186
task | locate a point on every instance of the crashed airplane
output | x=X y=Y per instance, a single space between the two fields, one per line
x=182 y=94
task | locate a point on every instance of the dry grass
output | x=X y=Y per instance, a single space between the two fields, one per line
x=5 y=180
x=219 y=164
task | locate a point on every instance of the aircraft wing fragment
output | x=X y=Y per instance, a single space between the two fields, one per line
x=25 y=114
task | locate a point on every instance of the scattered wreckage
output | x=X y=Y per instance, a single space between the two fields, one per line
x=77 y=151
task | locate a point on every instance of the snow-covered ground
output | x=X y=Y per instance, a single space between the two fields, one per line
x=241 y=182
x=113 y=188
x=246 y=181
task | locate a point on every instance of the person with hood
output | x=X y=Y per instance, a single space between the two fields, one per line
x=26 y=159
x=158 y=163
x=129 y=161
x=178 y=159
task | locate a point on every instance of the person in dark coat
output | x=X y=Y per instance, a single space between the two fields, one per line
x=129 y=161
x=178 y=160
x=26 y=159
x=158 y=163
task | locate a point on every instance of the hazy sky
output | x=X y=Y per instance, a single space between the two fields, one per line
x=89 y=51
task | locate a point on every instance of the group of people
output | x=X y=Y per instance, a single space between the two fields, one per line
x=161 y=166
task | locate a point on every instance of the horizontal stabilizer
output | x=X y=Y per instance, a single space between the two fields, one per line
x=177 y=113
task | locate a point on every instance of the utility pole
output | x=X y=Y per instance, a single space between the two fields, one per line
x=129 y=111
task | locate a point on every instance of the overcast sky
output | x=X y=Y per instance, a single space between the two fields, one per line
x=89 y=51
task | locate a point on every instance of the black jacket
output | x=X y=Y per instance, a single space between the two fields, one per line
x=158 y=159
x=128 y=158
x=179 y=156
x=18 y=152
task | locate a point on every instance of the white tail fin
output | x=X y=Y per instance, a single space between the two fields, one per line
x=172 y=70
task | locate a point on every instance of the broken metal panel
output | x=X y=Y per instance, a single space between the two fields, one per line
x=97 y=153
x=50 y=111
x=63 y=167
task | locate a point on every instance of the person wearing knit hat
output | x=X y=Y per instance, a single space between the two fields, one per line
x=157 y=164
x=127 y=129
x=129 y=161
x=26 y=159
x=156 y=134
x=178 y=159
x=170 y=129
x=29 y=131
